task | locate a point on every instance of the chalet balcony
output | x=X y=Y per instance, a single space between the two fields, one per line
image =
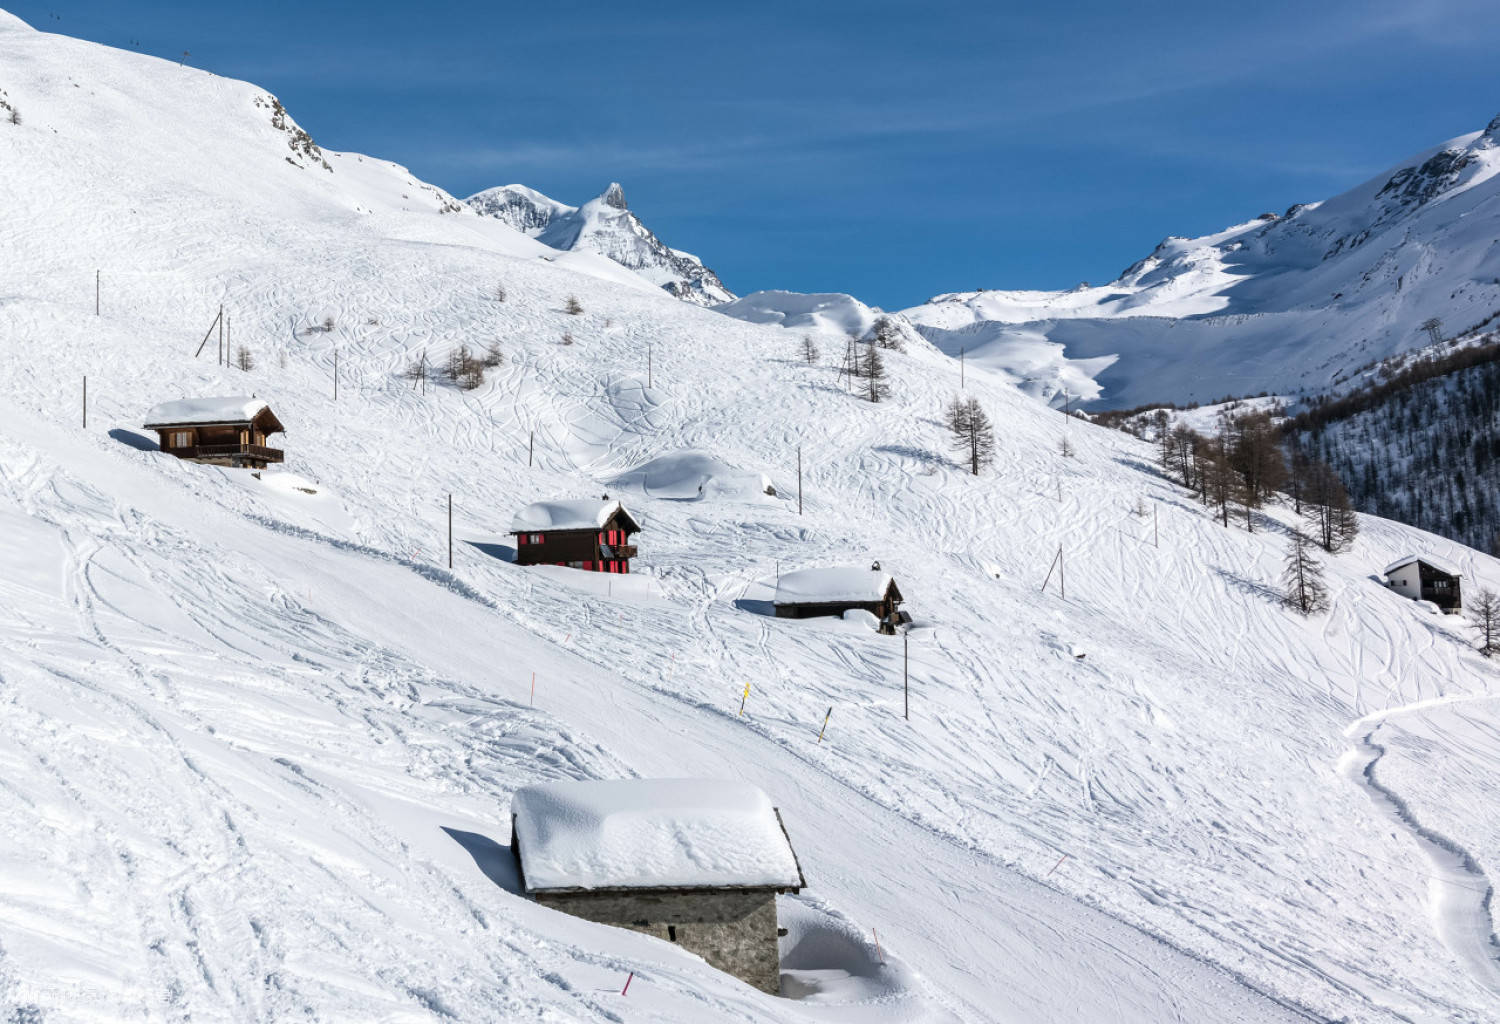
x=230 y=452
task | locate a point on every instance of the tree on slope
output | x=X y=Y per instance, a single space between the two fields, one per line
x=1484 y=616
x=809 y=349
x=872 y=372
x=973 y=434
x=888 y=334
x=573 y=306
x=1326 y=508
x=1302 y=578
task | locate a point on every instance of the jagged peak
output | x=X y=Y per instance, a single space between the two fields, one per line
x=1492 y=130
x=614 y=196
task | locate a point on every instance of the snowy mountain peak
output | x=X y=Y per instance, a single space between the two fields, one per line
x=614 y=196
x=605 y=226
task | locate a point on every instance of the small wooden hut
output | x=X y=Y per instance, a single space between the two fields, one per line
x=698 y=862
x=219 y=431
x=836 y=590
x=589 y=535
x=1424 y=578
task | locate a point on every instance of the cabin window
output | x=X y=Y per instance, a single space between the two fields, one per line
x=536 y=538
x=181 y=439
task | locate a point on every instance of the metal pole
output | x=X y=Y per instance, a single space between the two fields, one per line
x=450 y=531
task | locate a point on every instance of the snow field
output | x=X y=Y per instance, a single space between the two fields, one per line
x=249 y=722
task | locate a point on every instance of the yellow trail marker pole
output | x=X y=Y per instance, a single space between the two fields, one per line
x=825 y=723
x=744 y=697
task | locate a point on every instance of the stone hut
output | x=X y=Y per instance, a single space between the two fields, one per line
x=698 y=862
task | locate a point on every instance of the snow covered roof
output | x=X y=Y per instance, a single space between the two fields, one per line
x=567 y=515
x=651 y=834
x=1436 y=563
x=206 y=410
x=840 y=583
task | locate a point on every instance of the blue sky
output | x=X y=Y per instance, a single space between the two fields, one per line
x=891 y=150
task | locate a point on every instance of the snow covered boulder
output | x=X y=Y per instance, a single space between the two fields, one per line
x=698 y=862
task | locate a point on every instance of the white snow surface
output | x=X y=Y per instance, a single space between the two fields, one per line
x=576 y=514
x=695 y=476
x=260 y=744
x=831 y=583
x=205 y=410
x=651 y=834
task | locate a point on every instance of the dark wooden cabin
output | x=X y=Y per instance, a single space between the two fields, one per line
x=833 y=591
x=1425 y=578
x=218 y=431
x=589 y=535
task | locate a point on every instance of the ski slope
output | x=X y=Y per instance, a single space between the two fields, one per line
x=261 y=743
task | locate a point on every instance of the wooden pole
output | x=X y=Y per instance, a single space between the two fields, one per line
x=799 y=479
x=450 y=531
x=222 y=361
x=960 y=369
x=825 y=723
x=335 y=373
x=85 y=401
x=877 y=946
x=533 y=689
x=530 y=448
x=648 y=366
x=1062 y=574
x=1155 y=529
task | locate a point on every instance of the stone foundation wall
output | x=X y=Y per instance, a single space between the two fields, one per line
x=735 y=931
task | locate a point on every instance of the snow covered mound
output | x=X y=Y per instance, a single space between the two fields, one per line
x=1286 y=302
x=831 y=313
x=694 y=475
x=651 y=834
x=604 y=225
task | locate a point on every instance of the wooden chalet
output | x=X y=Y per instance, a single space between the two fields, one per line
x=696 y=862
x=836 y=590
x=1425 y=578
x=219 y=431
x=590 y=535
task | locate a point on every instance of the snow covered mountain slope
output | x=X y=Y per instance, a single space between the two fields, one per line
x=607 y=226
x=260 y=740
x=1281 y=303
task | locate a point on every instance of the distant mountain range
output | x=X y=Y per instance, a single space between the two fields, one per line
x=606 y=226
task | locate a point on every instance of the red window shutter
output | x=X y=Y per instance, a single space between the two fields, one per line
x=520 y=539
